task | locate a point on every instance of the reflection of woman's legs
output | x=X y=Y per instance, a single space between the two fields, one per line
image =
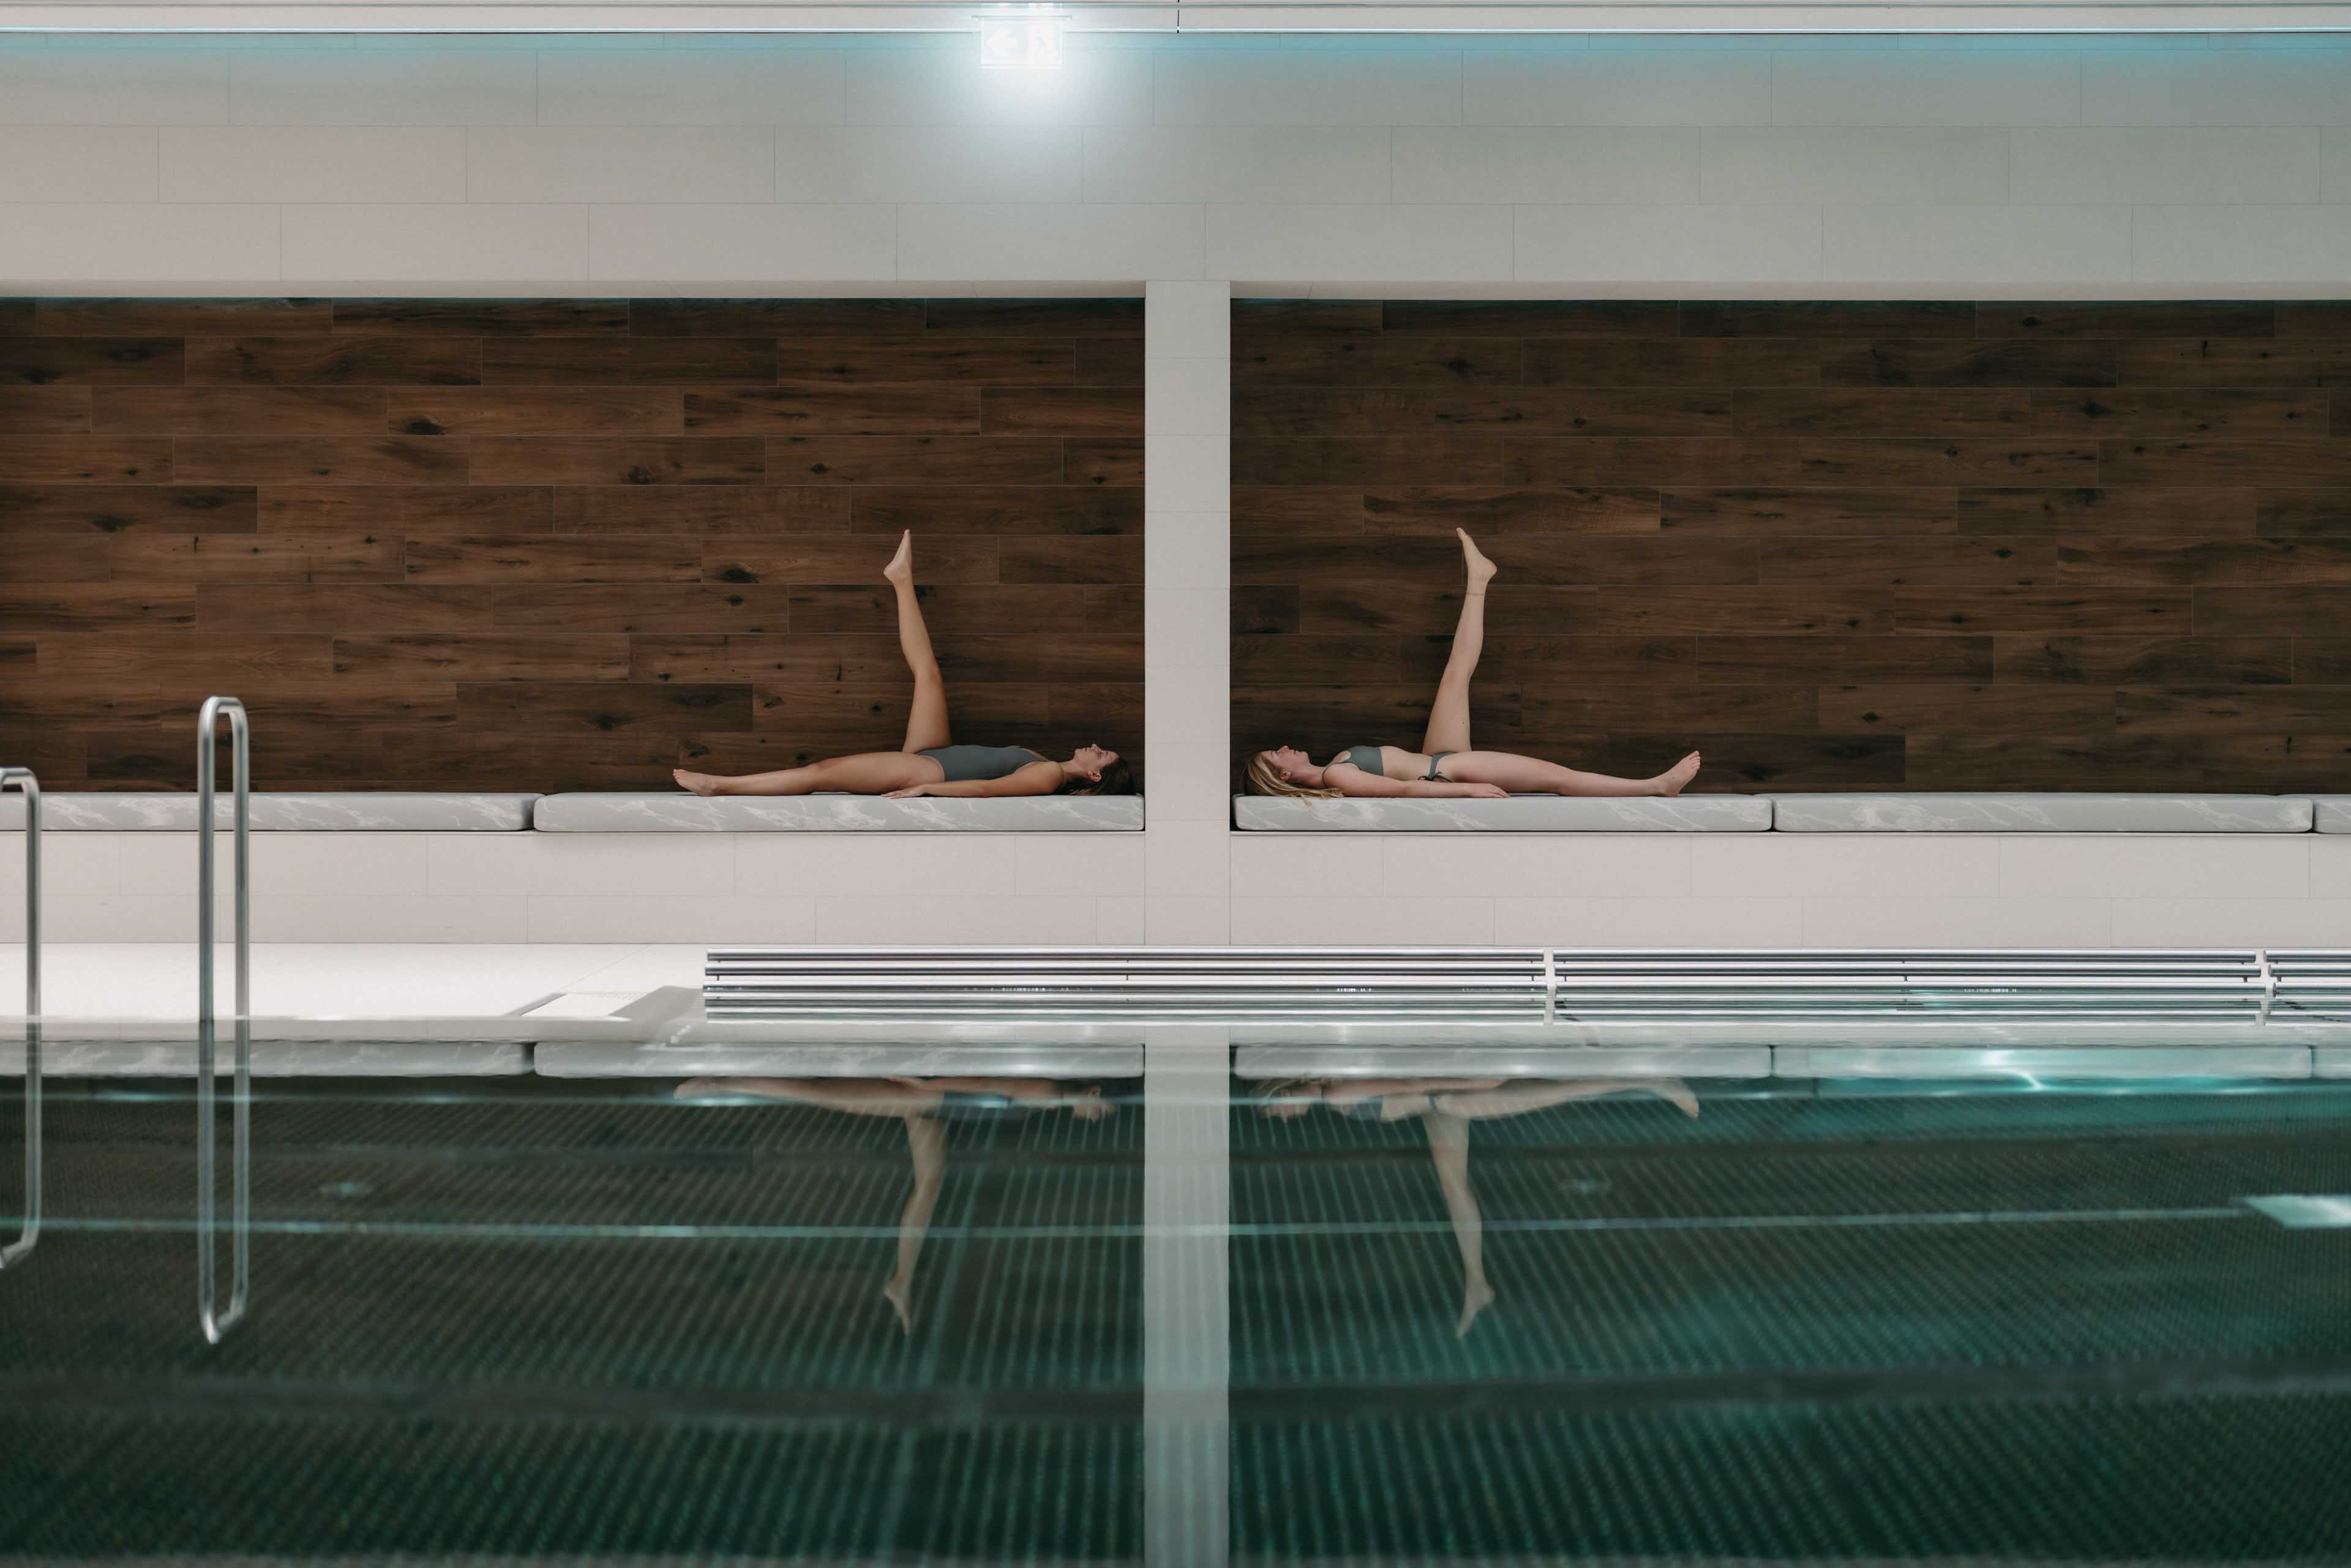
x=926 y=1143
x=1449 y=1146
x=926 y=717
x=1518 y=1099
x=854 y=1096
x=1448 y=716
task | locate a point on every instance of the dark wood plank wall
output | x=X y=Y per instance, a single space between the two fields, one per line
x=558 y=544
x=1914 y=546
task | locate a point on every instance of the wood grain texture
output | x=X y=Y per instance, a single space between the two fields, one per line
x=2071 y=544
x=546 y=544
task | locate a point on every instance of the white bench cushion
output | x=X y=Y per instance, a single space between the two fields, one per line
x=2041 y=814
x=683 y=813
x=1518 y=814
x=2331 y=813
x=356 y=810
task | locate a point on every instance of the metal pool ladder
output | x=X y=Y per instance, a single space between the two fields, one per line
x=215 y=1320
x=22 y=778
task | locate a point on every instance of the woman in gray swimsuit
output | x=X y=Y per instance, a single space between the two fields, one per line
x=928 y=763
x=1445 y=766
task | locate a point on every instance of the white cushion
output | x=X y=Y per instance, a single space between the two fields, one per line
x=355 y=811
x=2331 y=813
x=1518 y=814
x=2041 y=814
x=681 y=813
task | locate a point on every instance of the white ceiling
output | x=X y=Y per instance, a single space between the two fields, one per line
x=1876 y=16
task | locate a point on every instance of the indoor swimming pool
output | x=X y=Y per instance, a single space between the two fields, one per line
x=1184 y=1301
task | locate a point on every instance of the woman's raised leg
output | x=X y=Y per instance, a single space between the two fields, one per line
x=1448 y=716
x=926 y=717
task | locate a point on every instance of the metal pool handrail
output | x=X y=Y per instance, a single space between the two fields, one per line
x=22 y=778
x=215 y=1320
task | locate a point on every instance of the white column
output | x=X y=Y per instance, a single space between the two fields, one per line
x=1186 y=614
x=1187 y=1328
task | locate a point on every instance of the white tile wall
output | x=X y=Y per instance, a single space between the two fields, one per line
x=1568 y=166
x=1617 y=88
x=1196 y=881
x=1755 y=163
x=313 y=163
x=421 y=244
x=89 y=85
x=1679 y=245
x=402 y=87
x=1014 y=164
x=630 y=163
x=631 y=243
x=2009 y=245
x=1234 y=164
x=702 y=87
x=2159 y=164
x=2009 y=165
x=79 y=163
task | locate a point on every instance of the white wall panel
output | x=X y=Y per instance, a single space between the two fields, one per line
x=165 y=242
x=1236 y=164
x=1537 y=166
x=1668 y=245
x=628 y=163
x=419 y=244
x=1760 y=163
x=940 y=85
x=79 y=163
x=1326 y=86
x=2007 y=244
x=402 y=87
x=689 y=87
x=1871 y=89
x=1366 y=243
x=96 y=86
x=1012 y=163
x=2155 y=164
x=1542 y=88
x=313 y=163
x=740 y=243
x=980 y=241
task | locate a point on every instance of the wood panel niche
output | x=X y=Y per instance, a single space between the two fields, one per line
x=1936 y=545
x=550 y=544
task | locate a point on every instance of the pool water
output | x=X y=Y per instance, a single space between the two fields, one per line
x=533 y=1321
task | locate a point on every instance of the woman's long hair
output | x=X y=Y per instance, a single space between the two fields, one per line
x=1117 y=778
x=1264 y=779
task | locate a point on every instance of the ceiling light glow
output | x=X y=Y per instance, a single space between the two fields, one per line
x=1027 y=38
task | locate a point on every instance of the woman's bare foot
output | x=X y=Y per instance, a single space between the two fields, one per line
x=902 y=565
x=1481 y=570
x=1674 y=779
x=900 y=1296
x=1475 y=1299
x=700 y=783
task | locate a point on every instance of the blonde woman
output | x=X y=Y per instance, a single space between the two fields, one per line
x=1445 y=767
